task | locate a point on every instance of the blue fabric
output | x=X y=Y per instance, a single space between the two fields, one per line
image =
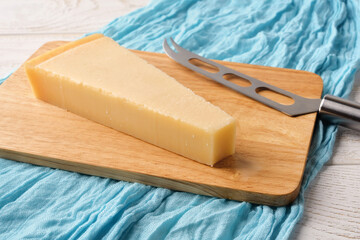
x=317 y=36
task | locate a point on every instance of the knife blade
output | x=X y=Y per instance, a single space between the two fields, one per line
x=334 y=109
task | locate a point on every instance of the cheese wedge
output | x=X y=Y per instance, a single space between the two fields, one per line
x=97 y=79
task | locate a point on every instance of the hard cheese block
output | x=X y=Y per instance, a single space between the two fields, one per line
x=96 y=78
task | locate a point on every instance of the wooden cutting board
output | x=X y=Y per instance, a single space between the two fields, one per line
x=271 y=148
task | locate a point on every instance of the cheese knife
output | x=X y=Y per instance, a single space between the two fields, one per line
x=334 y=109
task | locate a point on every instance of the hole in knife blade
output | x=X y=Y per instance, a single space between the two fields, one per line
x=242 y=82
x=275 y=96
x=203 y=65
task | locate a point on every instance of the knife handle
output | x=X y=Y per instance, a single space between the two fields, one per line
x=340 y=111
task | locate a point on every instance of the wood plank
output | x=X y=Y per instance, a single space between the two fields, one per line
x=346 y=149
x=60 y=16
x=15 y=49
x=332 y=207
x=267 y=167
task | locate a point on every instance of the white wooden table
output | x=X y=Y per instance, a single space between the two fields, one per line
x=332 y=209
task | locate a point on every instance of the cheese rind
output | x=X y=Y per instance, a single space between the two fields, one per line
x=96 y=78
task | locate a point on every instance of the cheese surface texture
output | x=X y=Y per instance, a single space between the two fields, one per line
x=98 y=79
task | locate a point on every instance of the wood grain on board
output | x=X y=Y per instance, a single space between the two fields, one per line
x=327 y=191
x=271 y=148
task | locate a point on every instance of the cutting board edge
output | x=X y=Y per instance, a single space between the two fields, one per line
x=283 y=198
x=128 y=176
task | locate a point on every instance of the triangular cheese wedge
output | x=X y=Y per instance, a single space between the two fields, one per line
x=96 y=78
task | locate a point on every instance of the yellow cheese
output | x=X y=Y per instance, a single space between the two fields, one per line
x=96 y=78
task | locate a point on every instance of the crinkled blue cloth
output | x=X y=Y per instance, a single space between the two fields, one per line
x=318 y=36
